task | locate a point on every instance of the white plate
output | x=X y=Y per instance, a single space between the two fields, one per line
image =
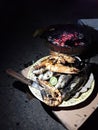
x=71 y=102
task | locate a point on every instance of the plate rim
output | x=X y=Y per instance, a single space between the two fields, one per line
x=64 y=103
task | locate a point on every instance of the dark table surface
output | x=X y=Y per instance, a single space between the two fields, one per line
x=18 y=111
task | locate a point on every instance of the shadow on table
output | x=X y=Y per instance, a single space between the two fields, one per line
x=23 y=88
x=87 y=101
x=91 y=121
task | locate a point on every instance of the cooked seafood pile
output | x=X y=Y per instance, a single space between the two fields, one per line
x=62 y=74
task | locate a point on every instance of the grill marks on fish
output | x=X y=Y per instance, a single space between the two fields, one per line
x=53 y=96
x=62 y=58
x=70 y=79
x=59 y=63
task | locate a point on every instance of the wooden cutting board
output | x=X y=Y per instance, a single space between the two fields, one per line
x=74 y=117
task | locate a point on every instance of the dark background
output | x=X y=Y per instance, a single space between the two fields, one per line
x=19 y=19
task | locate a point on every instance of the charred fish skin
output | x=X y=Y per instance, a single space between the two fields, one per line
x=63 y=81
x=70 y=73
x=60 y=63
x=74 y=86
x=47 y=75
x=53 y=96
x=62 y=58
